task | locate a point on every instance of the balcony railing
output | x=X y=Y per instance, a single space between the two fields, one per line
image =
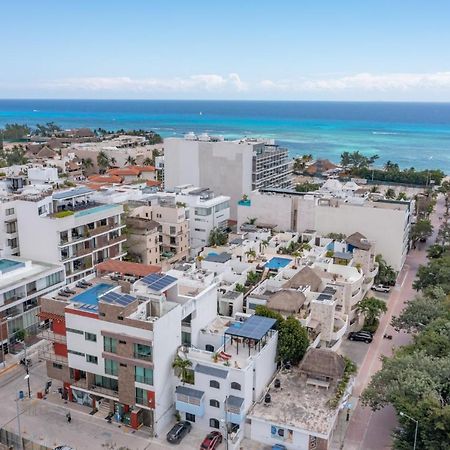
x=50 y=335
x=48 y=354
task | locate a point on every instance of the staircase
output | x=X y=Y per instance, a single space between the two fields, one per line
x=103 y=409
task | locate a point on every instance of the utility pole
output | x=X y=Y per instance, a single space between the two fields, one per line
x=1 y=340
x=18 y=423
x=27 y=377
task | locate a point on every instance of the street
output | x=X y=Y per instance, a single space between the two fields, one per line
x=370 y=430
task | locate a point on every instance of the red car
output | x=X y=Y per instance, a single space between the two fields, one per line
x=211 y=441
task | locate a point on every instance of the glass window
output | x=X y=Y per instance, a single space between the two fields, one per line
x=72 y=330
x=214 y=403
x=143 y=375
x=190 y=417
x=74 y=352
x=9 y=212
x=141 y=396
x=90 y=337
x=236 y=386
x=91 y=359
x=109 y=344
x=203 y=211
x=214 y=384
x=111 y=367
x=214 y=423
x=142 y=351
x=106 y=382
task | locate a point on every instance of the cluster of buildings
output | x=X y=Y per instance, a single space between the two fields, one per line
x=144 y=319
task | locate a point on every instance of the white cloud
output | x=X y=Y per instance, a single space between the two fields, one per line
x=206 y=82
x=363 y=82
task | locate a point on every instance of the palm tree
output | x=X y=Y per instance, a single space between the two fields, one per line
x=102 y=161
x=391 y=167
x=148 y=162
x=402 y=196
x=130 y=161
x=390 y=193
x=113 y=161
x=372 y=308
x=296 y=254
x=87 y=164
x=181 y=367
x=264 y=245
x=250 y=254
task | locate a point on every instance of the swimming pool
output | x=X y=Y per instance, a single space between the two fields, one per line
x=7 y=265
x=90 y=296
x=277 y=263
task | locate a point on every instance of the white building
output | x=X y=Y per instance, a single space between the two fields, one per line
x=68 y=227
x=233 y=168
x=206 y=213
x=22 y=282
x=232 y=365
x=387 y=222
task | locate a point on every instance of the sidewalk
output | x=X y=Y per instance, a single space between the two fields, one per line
x=11 y=360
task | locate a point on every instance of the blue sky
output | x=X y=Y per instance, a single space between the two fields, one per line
x=300 y=49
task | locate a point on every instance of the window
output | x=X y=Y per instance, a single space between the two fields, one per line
x=119 y=317
x=122 y=342
x=91 y=359
x=214 y=403
x=209 y=348
x=222 y=206
x=9 y=212
x=111 y=367
x=73 y=352
x=143 y=375
x=11 y=227
x=214 y=423
x=214 y=384
x=57 y=366
x=12 y=243
x=109 y=344
x=142 y=351
x=90 y=337
x=185 y=338
x=53 y=279
x=141 y=396
x=73 y=330
x=123 y=365
x=106 y=382
x=203 y=211
x=236 y=386
x=190 y=417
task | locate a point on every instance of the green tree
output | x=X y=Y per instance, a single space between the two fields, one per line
x=182 y=366
x=264 y=311
x=435 y=251
x=16 y=156
x=102 y=161
x=300 y=163
x=253 y=278
x=130 y=161
x=402 y=196
x=372 y=308
x=86 y=164
x=422 y=229
x=422 y=310
x=15 y=132
x=307 y=187
x=251 y=254
x=435 y=273
x=217 y=237
x=292 y=341
x=264 y=245
x=391 y=167
x=240 y=288
x=386 y=274
x=390 y=193
x=148 y=162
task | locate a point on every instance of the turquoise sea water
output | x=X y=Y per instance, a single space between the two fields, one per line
x=412 y=134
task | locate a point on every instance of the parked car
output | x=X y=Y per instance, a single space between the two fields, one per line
x=381 y=288
x=362 y=336
x=211 y=441
x=178 y=432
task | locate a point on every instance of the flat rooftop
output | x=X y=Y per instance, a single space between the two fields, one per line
x=298 y=405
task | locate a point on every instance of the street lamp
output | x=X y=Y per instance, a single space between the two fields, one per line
x=417 y=426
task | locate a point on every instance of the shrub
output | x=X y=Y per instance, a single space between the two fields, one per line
x=62 y=214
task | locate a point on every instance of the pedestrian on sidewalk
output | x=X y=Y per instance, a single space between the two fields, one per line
x=69 y=417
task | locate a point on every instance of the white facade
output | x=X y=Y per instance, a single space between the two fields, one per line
x=226 y=167
x=87 y=235
x=22 y=282
x=385 y=222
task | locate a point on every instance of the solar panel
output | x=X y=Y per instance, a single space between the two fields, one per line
x=158 y=281
x=255 y=327
x=116 y=298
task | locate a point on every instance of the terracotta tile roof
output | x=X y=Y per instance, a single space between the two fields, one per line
x=152 y=183
x=123 y=171
x=127 y=268
x=146 y=168
x=105 y=179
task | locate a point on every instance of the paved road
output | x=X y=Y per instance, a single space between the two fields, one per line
x=370 y=430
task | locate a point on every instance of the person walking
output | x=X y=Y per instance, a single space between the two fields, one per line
x=69 y=417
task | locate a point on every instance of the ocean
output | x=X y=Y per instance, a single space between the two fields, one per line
x=411 y=134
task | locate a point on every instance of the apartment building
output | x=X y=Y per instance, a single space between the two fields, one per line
x=114 y=350
x=143 y=240
x=206 y=212
x=68 y=227
x=22 y=282
x=233 y=168
x=9 y=237
x=386 y=222
x=173 y=228
x=231 y=366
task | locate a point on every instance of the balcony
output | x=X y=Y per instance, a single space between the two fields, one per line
x=190 y=401
x=100 y=390
x=50 y=335
x=47 y=353
x=235 y=411
x=339 y=328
